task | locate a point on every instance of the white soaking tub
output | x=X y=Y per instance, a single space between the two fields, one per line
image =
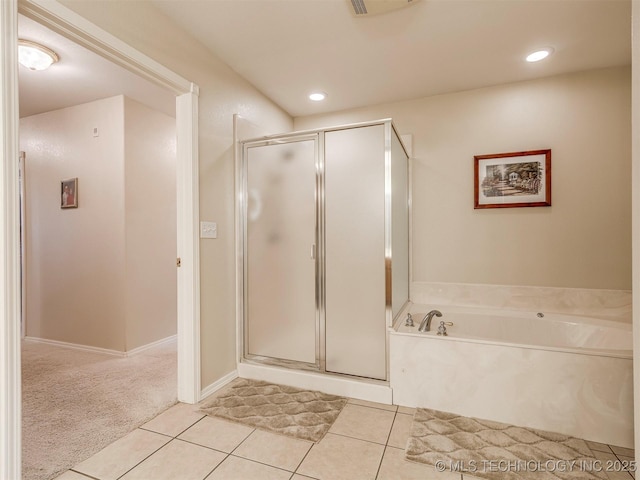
x=554 y=372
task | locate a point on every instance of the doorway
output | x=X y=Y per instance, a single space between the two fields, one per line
x=64 y=21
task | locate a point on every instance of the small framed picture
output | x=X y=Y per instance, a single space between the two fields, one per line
x=69 y=193
x=518 y=179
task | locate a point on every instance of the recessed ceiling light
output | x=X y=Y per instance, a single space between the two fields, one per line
x=35 y=56
x=539 y=55
x=317 y=96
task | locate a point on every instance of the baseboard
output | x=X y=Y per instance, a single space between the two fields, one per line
x=217 y=385
x=76 y=346
x=157 y=343
x=103 y=351
x=373 y=391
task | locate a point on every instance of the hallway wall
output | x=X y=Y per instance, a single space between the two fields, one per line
x=150 y=225
x=102 y=274
x=75 y=256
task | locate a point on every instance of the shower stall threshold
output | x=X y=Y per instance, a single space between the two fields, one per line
x=352 y=387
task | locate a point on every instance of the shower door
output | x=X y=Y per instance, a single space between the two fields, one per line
x=281 y=298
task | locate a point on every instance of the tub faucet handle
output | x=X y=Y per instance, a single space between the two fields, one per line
x=409 y=321
x=442 y=329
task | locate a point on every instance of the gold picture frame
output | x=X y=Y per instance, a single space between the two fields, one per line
x=69 y=193
x=516 y=179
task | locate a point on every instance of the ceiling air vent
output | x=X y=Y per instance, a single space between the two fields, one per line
x=361 y=8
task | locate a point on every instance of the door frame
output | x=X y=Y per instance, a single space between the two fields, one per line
x=75 y=27
x=23 y=235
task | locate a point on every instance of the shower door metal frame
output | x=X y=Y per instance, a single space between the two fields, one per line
x=319 y=248
x=318 y=136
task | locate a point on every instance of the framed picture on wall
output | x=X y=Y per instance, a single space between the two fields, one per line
x=517 y=179
x=69 y=193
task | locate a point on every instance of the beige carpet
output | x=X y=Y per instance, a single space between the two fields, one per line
x=302 y=414
x=497 y=450
x=75 y=403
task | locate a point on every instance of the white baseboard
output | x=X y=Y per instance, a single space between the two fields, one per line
x=157 y=343
x=217 y=385
x=372 y=391
x=76 y=346
x=103 y=351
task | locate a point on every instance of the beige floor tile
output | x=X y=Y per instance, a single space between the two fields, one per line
x=401 y=430
x=175 y=420
x=218 y=434
x=69 y=475
x=626 y=459
x=342 y=458
x=619 y=475
x=234 y=468
x=364 y=423
x=406 y=410
x=604 y=456
x=275 y=450
x=629 y=464
x=395 y=467
x=301 y=477
x=629 y=452
x=122 y=455
x=177 y=460
x=365 y=403
x=598 y=447
x=610 y=464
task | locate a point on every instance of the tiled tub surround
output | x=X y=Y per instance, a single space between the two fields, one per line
x=569 y=374
x=610 y=304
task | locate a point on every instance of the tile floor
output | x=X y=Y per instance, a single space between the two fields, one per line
x=366 y=442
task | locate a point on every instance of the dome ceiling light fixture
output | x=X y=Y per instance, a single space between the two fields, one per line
x=539 y=55
x=35 y=56
x=317 y=96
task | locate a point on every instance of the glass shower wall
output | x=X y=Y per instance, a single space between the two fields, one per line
x=325 y=242
x=280 y=284
x=355 y=251
x=399 y=225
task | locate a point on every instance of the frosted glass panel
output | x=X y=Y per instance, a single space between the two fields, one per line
x=399 y=225
x=355 y=250
x=281 y=273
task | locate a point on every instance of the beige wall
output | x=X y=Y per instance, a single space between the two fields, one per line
x=103 y=274
x=222 y=93
x=583 y=240
x=75 y=257
x=150 y=225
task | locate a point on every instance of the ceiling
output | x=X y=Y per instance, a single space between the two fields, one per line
x=79 y=77
x=288 y=48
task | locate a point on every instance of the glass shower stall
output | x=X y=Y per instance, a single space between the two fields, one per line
x=324 y=219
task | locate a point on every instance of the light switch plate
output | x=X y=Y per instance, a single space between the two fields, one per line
x=208 y=230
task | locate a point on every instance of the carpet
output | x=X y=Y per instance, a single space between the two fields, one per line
x=498 y=451
x=75 y=403
x=302 y=414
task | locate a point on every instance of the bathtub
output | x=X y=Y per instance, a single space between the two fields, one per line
x=561 y=373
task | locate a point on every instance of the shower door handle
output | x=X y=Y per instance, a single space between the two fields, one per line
x=313 y=251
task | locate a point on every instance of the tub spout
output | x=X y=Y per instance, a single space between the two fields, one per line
x=425 y=325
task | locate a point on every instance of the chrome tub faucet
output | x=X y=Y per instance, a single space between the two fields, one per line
x=425 y=325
